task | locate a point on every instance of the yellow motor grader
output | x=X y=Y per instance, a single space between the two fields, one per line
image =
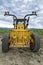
x=20 y=36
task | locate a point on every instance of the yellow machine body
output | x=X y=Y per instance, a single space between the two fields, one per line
x=19 y=37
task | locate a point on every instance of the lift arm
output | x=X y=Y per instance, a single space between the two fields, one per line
x=28 y=15
x=7 y=14
x=14 y=17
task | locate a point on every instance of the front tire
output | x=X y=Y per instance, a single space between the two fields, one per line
x=36 y=46
x=5 y=45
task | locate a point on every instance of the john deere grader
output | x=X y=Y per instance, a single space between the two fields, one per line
x=20 y=36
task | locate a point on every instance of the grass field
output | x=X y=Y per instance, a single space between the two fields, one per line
x=37 y=31
x=3 y=31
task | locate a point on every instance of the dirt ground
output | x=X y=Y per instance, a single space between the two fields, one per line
x=17 y=56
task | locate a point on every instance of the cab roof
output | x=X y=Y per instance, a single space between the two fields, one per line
x=20 y=19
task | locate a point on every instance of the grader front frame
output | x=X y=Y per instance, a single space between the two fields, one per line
x=20 y=36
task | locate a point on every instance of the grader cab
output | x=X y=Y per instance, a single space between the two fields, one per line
x=20 y=36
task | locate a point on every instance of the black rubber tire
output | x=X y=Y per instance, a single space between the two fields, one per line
x=5 y=45
x=36 y=45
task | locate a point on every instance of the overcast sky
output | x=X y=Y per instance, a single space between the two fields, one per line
x=20 y=8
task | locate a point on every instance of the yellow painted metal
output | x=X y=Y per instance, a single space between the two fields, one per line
x=32 y=40
x=19 y=38
x=20 y=26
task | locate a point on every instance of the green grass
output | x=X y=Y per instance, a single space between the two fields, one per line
x=3 y=31
x=38 y=31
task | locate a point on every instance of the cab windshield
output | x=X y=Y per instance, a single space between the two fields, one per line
x=20 y=22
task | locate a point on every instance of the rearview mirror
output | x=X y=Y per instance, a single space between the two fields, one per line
x=34 y=13
x=6 y=13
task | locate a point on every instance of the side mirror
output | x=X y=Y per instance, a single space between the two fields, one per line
x=34 y=13
x=6 y=13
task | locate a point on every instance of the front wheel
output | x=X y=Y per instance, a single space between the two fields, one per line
x=5 y=44
x=36 y=45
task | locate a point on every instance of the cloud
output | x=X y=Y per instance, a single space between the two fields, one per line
x=20 y=9
x=6 y=24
